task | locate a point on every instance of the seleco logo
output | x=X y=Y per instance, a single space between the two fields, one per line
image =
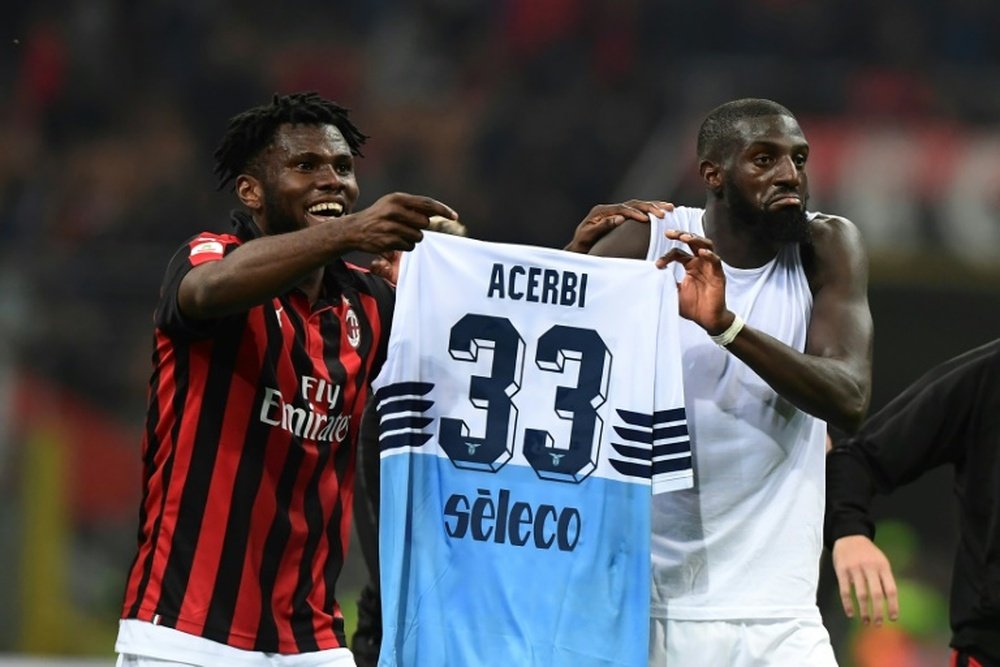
x=519 y=523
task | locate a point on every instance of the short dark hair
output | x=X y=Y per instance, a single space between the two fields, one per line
x=716 y=133
x=252 y=131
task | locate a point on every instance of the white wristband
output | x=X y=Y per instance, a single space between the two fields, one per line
x=727 y=336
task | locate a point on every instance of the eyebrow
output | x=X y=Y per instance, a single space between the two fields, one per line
x=313 y=155
x=768 y=143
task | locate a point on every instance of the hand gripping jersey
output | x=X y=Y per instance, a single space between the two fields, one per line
x=530 y=401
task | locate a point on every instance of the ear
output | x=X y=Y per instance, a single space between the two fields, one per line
x=712 y=174
x=250 y=191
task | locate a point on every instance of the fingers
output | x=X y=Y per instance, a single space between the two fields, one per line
x=875 y=591
x=846 y=599
x=862 y=569
x=413 y=210
x=439 y=223
x=591 y=230
x=402 y=237
x=673 y=255
x=387 y=266
x=381 y=267
x=655 y=208
x=622 y=212
x=891 y=593
x=693 y=240
x=396 y=222
x=875 y=606
x=678 y=255
x=602 y=224
x=430 y=207
x=861 y=593
x=390 y=236
x=864 y=592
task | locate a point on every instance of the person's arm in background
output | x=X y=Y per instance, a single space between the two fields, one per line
x=617 y=230
x=922 y=428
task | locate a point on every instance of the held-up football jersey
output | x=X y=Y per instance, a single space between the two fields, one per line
x=530 y=401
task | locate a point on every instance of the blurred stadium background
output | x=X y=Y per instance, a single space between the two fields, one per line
x=521 y=114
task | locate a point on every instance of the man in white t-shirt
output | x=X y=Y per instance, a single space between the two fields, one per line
x=776 y=343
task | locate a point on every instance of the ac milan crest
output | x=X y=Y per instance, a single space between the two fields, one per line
x=352 y=325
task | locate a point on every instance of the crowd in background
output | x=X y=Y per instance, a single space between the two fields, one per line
x=520 y=114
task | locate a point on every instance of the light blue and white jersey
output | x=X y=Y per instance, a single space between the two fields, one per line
x=530 y=402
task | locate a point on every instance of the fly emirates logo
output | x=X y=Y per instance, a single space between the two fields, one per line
x=308 y=423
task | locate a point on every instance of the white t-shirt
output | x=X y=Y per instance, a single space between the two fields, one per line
x=745 y=542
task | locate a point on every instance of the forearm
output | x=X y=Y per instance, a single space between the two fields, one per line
x=260 y=270
x=849 y=493
x=825 y=387
x=629 y=240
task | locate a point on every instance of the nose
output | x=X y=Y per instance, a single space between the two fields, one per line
x=327 y=177
x=787 y=172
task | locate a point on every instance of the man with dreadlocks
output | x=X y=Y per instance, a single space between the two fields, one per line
x=264 y=346
x=776 y=340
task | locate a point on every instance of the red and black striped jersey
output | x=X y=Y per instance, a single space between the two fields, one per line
x=248 y=459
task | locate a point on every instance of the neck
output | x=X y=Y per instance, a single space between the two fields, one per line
x=312 y=285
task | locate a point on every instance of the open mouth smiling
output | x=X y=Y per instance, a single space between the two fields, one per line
x=326 y=210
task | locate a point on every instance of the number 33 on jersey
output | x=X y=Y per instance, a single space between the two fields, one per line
x=530 y=404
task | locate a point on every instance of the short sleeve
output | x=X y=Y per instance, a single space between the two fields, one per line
x=202 y=248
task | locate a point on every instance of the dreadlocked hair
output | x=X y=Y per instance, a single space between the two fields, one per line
x=252 y=131
x=717 y=130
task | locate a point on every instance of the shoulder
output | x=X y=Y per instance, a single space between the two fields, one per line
x=213 y=238
x=833 y=234
x=973 y=373
x=985 y=358
x=826 y=229
x=207 y=247
x=835 y=251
